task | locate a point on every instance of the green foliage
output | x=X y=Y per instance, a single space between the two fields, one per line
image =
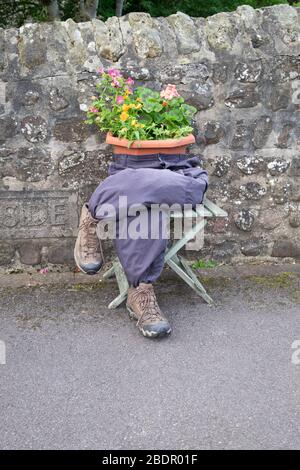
x=202 y=8
x=141 y=114
x=16 y=12
x=203 y=264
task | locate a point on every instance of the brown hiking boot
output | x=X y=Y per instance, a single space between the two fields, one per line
x=88 y=251
x=142 y=305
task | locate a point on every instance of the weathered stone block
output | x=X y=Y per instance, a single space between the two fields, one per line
x=295 y=166
x=278 y=166
x=294 y=219
x=8 y=128
x=218 y=225
x=220 y=32
x=198 y=94
x=295 y=193
x=243 y=97
x=270 y=219
x=283 y=21
x=34 y=129
x=24 y=93
x=220 y=73
x=225 y=251
x=279 y=97
x=252 y=190
x=286 y=249
x=249 y=72
x=253 y=247
x=57 y=102
x=7 y=253
x=280 y=192
x=145 y=36
x=62 y=252
x=30 y=253
x=222 y=165
x=186 y=33
x=31 y=98
x=250 y=164
x=241 y=136
x=71 y=130
x=80 y=168
x=284 y=136
x=25 y=163
x=222 y=190
x=261 y=132
x=244 y=220
x=32 y=45
x=285 y=68
x=213 y=132
x=108 y=39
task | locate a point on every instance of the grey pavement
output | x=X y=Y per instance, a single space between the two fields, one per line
x=79 y=376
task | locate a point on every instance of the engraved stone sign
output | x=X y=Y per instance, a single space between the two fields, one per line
x=37 y=214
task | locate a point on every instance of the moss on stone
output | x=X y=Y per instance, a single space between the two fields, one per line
x=285 y=279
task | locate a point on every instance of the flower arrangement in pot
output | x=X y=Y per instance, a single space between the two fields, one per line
x=140 y=121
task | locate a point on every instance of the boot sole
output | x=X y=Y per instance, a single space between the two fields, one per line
x=147 y=334
x=90 y=273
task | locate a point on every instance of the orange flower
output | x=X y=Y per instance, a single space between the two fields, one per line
x=124 y=116
x=125 y=107
x=164 y=103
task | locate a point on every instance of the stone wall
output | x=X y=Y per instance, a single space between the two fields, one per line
x=242 y=72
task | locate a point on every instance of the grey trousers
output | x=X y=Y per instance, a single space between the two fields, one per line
x=146 y=180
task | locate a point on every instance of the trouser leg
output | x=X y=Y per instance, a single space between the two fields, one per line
x=143 y=259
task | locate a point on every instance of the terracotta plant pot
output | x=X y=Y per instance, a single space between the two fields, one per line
x=148 y=147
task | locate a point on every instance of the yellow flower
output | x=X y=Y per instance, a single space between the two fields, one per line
x=134 y=123
x=124 y=116
x=138 y=106
x=142 y=125
x=139 y=99
x=125 y=107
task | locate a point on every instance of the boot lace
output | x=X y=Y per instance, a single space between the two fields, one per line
x=146 y=298
x=92 y=244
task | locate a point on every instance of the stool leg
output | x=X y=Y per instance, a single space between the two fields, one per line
x=186 y=238
x=122 y=284
x=109 y=273
x=189 y=277
x=197 y=283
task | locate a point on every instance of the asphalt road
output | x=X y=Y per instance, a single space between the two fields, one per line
x=79 y=376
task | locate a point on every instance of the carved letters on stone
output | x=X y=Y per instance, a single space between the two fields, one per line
x=37 y=214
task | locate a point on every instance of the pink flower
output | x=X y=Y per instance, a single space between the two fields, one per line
x=120 y=99
x=101 y=71
x=130 y=81
x=115 y=83
x=114 y=73
x=44 y=270
x=93 y=110
x=169 y=92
